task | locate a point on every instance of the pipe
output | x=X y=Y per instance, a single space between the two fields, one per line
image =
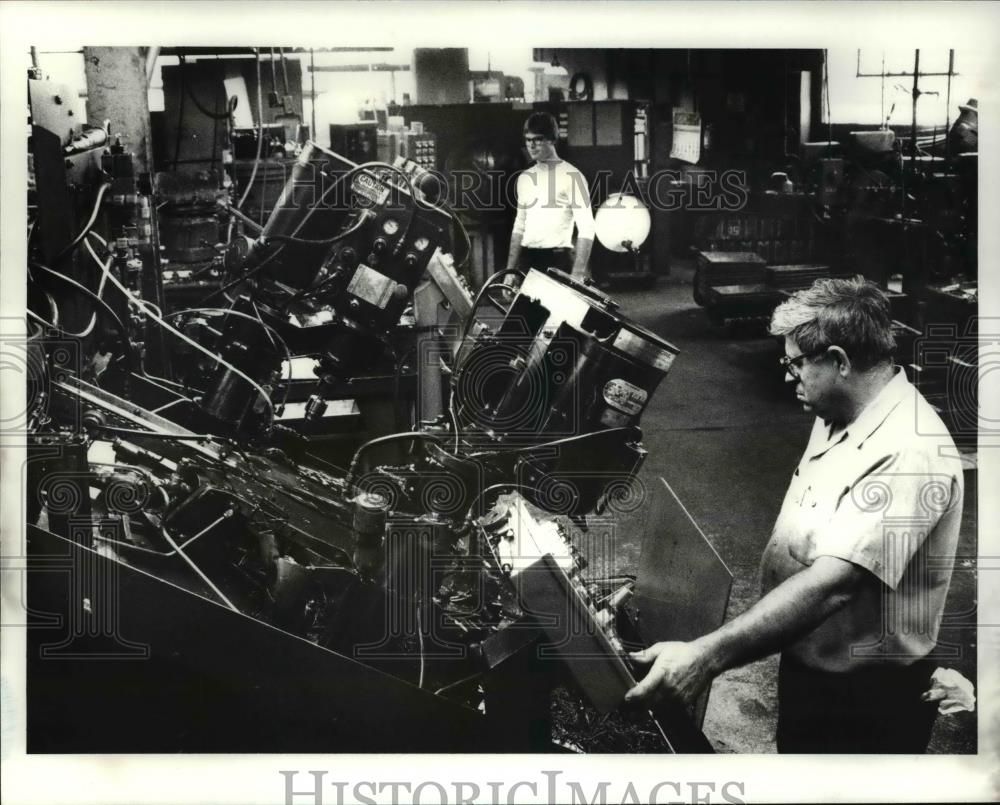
x=151 y=56
x=312 y=106
x=916 y=96
x=947 y=104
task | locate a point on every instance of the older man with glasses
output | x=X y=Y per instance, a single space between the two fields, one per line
x=552 y=198
x=856 y=573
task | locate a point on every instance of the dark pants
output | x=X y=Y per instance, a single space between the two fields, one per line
x=546 y=258
x=876 y=709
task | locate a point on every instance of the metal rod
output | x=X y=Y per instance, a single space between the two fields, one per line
x=225 y=515
x=170 y=404
x=314 y=136
x=882 y=117
x=151 y=56
x=458 y=682
x=900 y=75
x=360 y=68
x=947 y=103
x=198 y=570
x=284 y=70
x=826 y=92
x=659 y=729
x=916 y=95
x=356 y=50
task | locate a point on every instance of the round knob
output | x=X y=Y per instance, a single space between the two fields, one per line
x=349 y=257
x=379 y=245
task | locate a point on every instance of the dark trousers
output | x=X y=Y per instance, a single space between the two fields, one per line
x=873 y=710
x=546 y=258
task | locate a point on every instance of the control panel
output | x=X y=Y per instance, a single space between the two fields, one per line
x=422 y=149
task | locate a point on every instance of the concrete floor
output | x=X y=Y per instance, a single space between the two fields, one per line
x=726 y=433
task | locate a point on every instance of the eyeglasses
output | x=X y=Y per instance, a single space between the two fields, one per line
x=794 y=365
x=534 y=140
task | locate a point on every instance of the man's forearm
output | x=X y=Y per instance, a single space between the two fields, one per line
x=515 y=251
x=790 y=611
x=583 y=247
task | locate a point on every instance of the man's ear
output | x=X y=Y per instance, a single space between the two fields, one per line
x=842 y=360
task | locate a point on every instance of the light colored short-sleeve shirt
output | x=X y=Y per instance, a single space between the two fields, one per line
x=552 y=197
x=886 y=495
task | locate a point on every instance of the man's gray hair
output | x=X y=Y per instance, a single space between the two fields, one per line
x=849 y=313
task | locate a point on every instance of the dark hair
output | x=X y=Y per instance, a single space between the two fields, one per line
x=542 y=124
x=852 y=314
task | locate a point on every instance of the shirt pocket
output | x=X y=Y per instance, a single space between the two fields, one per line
x=809 y=517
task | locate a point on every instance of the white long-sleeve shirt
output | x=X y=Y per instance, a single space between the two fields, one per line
x=551 y=198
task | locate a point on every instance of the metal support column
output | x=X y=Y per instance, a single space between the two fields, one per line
x=117 y=91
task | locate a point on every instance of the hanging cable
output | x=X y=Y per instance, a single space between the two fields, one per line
x=947 y=102
x=104 y=306
x=420 y=644
x=180 y=124
x=145 y=309
x=495 y=487
x=412 y=436
x=187 y=87
x=268 y=329
x=230 y=312
x=274 y=75
x=93 y=316
x=284 y=71
x=55 y=309
x=882 y=116
x=312 y=94
x=260 y=134
x=370 y=169
x=86 y=229
x=367 y=167
x=826 y=92
x=457 y=222
x=397 y=388
x=492 y=281
x=288 y=355
x=363 y=218
x=241 y=279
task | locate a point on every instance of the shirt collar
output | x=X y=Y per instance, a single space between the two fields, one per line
x=875 y=413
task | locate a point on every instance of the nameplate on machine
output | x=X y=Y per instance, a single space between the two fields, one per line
x=372 y=286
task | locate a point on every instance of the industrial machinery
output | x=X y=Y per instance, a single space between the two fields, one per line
x=431 y=586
